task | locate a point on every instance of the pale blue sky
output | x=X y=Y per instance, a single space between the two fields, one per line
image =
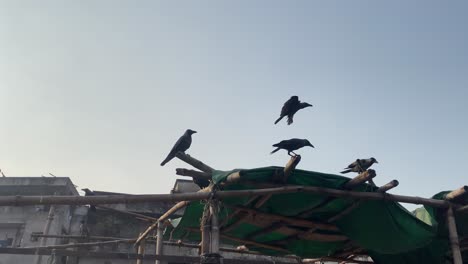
x=100 y=90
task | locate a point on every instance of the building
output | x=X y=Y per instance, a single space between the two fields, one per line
x=24 y=226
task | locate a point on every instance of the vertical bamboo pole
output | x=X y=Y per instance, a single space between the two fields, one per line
x=205 y=230
x=50 y=218
x=453 y=237
x=159 y=241
x=214 y=249
x=141 y=251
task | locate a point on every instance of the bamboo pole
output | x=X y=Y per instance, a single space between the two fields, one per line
x=388 y=186
x=453 y=237
x=193 y=174
x=361 y=178
x=169 y=212
x=214 y=227
x=141 y=251
x=132 y=240
x=127 y=256
x=127 y=199
x=205 y=229
x=333 y=259
x=87 y=244
x=159 y=240
x=457 y=194
x=194 y=162
x=290 y=166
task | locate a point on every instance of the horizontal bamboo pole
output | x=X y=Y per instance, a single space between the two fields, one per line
x=127 y=199
x=194 y=162
x=87 y=244
x=148 y=241
x=125 y=256
x=340 y=260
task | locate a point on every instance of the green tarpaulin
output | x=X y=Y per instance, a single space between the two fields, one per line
x=386 y=230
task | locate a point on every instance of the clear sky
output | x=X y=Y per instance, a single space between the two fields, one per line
x=100 y=90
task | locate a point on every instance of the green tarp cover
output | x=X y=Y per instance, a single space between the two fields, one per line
x=389 y=232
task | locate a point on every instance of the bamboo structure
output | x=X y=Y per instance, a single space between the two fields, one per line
x=297 y=228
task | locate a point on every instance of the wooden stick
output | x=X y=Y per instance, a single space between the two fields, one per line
x=290 y=166
x=194 y=162
x=193 y=174
x=361 y=178
x=388 y=186
x=453 y=237
x=457 y=194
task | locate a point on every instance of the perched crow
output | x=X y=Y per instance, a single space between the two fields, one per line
x=291 y=144
x=290 y=108
x=88 y=192
x=360 y=165
x=182 y=145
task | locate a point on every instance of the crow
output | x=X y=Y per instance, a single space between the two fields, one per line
x=291 y=144
x=181 y=145
x=88 y=192
x=290 y=108
x=360 y=165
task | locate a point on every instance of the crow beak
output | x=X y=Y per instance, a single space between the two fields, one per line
x=312 y=146
x=193 y=132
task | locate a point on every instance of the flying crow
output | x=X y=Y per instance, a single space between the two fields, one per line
x=360 y=165
x=181 y=145
x=290 y=108
x=291 y=144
